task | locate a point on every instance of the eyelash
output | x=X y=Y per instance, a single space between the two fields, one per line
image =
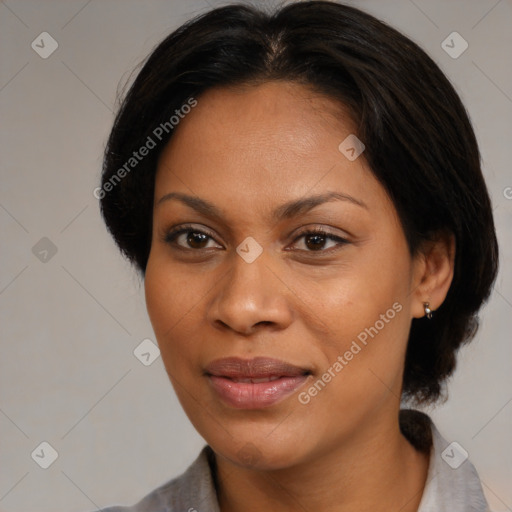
x=173 y=234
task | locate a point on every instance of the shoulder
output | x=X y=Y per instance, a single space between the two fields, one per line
x=452 y=481
x=192 y=491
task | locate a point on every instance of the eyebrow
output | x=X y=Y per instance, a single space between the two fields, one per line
x=285 y=211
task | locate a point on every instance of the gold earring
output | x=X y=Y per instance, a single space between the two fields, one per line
x=428 y=311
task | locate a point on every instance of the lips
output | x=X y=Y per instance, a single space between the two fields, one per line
x=254 y=383
x=257 y=368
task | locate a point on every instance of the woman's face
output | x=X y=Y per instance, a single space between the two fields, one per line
x=317 y=324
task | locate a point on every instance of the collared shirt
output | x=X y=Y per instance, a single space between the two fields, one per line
x=452 y=484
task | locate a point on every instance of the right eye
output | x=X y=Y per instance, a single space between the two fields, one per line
x=190 y=238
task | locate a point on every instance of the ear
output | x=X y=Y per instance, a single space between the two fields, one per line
x=432 y=273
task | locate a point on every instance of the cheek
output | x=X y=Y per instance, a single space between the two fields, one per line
x=158 y=297
x=362 y=354
x=367 y=311
x=172 y=291
x=172 y=300
x=368 y=333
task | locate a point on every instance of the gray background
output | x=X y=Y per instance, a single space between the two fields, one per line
x=70 y=324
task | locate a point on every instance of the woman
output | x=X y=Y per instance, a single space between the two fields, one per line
x=302 y=193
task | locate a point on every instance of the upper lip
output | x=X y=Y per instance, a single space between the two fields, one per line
x=258 y=367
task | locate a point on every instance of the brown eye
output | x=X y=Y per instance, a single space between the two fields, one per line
x=315 y=242
x=188 y=238
x=319 y=241
x=197 y=240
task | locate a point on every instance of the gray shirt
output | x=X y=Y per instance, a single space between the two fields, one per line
x=452 y=485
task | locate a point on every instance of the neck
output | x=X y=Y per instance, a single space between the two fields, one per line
x=377 y=470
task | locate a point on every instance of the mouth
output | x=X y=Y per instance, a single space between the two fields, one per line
x=254 y=383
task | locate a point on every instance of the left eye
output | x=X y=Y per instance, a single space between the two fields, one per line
x=316 y=241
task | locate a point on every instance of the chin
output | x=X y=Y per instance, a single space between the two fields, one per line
x=262 y=450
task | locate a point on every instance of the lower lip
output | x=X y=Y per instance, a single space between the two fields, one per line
x=248 y=395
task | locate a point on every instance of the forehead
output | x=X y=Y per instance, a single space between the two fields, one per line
x=282 y=113
x=270 y=142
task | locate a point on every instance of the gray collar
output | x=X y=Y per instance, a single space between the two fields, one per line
x=452 y=481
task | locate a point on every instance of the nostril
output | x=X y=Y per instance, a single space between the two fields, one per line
x=264 y=322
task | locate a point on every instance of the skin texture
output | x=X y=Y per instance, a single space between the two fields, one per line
x=248 y=151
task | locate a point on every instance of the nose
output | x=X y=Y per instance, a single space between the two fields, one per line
x=249 y=297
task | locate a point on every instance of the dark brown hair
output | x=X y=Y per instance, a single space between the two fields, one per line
x=419 y=141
